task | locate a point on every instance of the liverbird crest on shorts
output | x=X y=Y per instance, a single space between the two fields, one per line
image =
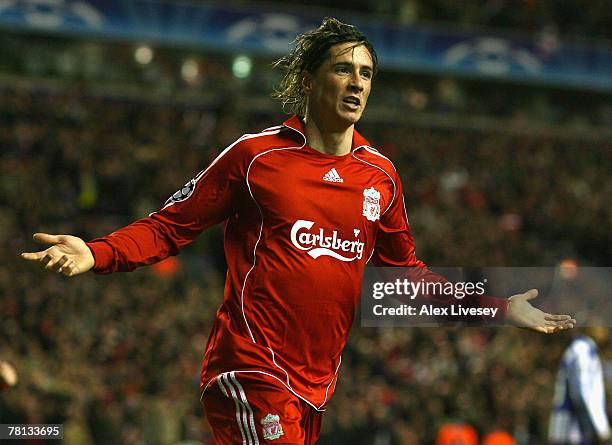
x=272 y=428
x=371 y=204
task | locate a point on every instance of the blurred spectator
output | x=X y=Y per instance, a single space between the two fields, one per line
x=8 y=375
x=457 y=434
x=498 y=438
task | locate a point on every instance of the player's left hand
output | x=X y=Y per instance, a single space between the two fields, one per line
x=522 y=314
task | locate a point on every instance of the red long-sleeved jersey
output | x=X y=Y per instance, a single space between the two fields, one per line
x=300 y=227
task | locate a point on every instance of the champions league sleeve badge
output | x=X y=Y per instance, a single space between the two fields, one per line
x=371 y=204
x=181 y=195
x=272 y=428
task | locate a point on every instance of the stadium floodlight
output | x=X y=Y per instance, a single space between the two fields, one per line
x=143 y=55
x=242 y=67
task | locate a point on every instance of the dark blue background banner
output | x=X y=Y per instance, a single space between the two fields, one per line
x=270 y=32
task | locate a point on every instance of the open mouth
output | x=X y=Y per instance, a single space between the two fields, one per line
x=352 y=103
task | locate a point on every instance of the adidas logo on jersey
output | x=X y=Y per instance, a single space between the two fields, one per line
x=332 y=176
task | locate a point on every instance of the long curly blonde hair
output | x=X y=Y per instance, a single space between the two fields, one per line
x=310 y=51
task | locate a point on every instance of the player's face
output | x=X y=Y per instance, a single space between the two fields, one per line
x=338 y=91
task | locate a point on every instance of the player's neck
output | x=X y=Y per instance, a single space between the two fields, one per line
x=331 y=142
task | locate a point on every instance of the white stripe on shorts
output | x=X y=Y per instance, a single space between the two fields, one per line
x=244 y=413
x=245 y=440
x=247 y=405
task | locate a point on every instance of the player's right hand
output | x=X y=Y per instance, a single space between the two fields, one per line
x=68 y=255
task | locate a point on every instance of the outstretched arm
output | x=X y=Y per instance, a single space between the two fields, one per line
x=68 y=255
x=204 y=201
x=395 y=248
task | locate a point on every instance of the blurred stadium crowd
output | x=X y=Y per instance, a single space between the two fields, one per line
x=116 y=359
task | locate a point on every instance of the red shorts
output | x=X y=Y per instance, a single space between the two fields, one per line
x=246 y=408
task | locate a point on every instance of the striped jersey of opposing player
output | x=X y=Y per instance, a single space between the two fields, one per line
x=579 y=408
